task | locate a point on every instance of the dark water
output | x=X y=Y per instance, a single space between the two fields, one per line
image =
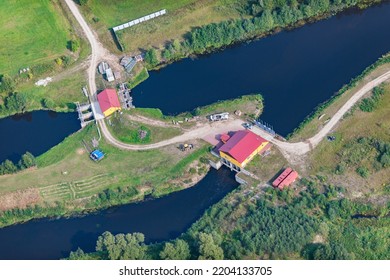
x=159 y=219
x=35 y=132
x=294 y=70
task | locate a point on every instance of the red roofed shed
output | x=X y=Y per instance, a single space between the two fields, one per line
x=281 y=177
x=288 y=180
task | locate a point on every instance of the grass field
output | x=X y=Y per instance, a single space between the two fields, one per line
x=328 y=155
x=32 y=32
x=181 y=17
x=66 y=173
x=128 y=131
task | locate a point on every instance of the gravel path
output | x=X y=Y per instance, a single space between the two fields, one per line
x=292 y=151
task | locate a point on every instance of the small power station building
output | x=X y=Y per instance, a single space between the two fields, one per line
x=108 y=101
x=239 y=149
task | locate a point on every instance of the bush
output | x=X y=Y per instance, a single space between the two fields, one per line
x=48 y=103
x=74 y=45
x=151 y=57
x=7 y=84
x=363 y=171
x=16 y=102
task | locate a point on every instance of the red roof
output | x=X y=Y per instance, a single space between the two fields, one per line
x=108 y=99
x=242 y=144
x=281 y=177
x=224 y=138
x=289 y=180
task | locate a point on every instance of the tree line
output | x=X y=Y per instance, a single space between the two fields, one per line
x=8 y=167
x=278 y=225
x=267 y=16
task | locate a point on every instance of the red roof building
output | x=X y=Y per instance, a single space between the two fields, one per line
x=289 y=180
x=285 y=179
x=224 y=138
x=108 y=101
x=281 y=177
x=242 y=147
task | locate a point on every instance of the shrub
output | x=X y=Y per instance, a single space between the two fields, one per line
x=363 y=171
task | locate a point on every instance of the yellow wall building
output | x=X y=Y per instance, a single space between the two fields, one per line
x=109 y=102
x=240 y=149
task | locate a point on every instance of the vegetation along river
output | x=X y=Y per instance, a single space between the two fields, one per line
x=159 y=219
x=293 y=70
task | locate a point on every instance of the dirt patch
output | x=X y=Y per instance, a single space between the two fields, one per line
x=80 y=151
x=19 y=199
x=318 y=239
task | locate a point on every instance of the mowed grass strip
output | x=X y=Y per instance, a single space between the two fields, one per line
x=32 y=32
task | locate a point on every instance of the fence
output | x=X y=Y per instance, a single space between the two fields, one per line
x=139 y=20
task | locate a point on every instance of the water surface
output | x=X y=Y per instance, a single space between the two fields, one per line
x=34 y=132
x=294 y=70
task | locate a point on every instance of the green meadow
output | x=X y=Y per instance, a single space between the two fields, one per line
x=32 y=32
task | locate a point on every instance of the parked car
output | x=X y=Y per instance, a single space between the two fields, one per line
x=247 y=125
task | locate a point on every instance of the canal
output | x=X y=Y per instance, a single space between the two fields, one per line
x=34 y=132
x=293 y=70
x=159 y=219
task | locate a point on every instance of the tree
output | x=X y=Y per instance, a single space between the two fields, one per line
x=151 y=57
x=27 y=160
x=175 y=251
x=9 y=167
x=78 y=255
x=74 y=45
x=121 y=246
x=16 y=102
x=48 y=103
x=82 y=2
x=6 y=84
x=166 y=54
x=208 y=249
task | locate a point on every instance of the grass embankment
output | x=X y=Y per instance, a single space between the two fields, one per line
x=133 y=132
x=250 y=106
x=181 y=17
x=359 y=158
x=139 y=78
x=67 y=177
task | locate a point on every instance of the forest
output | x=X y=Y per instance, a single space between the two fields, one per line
x=308 y=224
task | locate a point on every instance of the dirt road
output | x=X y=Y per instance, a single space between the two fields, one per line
x=292 y=151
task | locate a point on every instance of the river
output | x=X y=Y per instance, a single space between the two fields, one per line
x=293 y=70
x=159 y=219
x=34 y=132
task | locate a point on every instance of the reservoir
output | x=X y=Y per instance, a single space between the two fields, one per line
x=34 y=132
x=294 y=70
x=159 y=219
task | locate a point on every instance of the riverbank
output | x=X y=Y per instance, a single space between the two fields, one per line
x=73 y=184
x=323 y=112
x=67 y=182
x=263 y=22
